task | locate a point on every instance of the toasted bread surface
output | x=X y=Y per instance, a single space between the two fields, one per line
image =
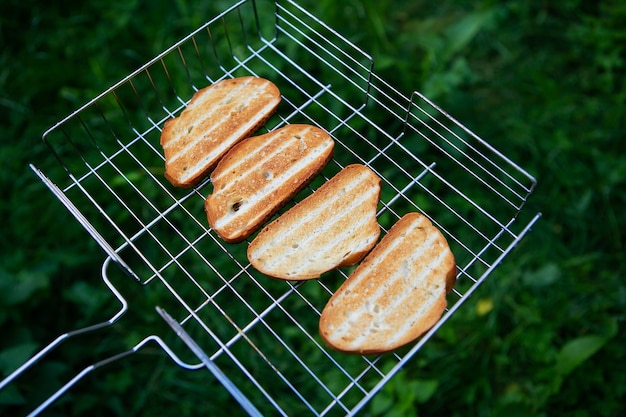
x=217 y=117
x=333 y=227
x=395 y=295
x=260 y=174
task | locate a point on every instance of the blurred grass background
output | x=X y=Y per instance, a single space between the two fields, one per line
x=542 y=81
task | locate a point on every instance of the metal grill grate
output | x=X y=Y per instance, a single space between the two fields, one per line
x=259 y=336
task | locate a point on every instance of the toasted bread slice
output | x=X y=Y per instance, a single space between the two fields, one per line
x=217 y=117
x=260 y=174
x=333 y=227
x=395 y=295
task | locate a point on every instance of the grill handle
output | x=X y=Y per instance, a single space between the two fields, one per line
x=80 y=217
x=210 y=365
x=87 y=370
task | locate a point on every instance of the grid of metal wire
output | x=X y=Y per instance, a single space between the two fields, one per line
x=261 y=333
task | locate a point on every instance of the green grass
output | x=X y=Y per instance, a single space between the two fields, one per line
x=542 y=82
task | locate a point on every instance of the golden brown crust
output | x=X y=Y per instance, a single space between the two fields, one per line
x=395 y=295
x=262 y=173
x=333 y=227
x=217 y=117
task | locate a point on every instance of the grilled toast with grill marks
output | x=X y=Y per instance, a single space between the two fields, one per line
x=217 y=117
x=395 y=295
x=333 y=227
x=262 y=173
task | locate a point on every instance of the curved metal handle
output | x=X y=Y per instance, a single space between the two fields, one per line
x=87 y=370
x=62 y=338
x=56 y=342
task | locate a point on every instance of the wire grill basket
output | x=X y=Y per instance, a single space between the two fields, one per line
x=258 y=336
